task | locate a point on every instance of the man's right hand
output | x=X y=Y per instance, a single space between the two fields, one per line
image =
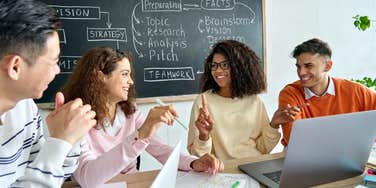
x=204 y=122
x=70 y=121
x=286 y=114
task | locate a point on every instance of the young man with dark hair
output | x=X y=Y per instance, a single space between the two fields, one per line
x=316 y=93
x=29 y=52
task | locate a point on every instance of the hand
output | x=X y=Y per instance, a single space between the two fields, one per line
x=157 y=116
x=286 y=114
x=209 y=163
x=204 y=122
x=70 y=121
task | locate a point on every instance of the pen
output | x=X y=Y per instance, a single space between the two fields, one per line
x=235 y=184
x=175 y=118
x=302 y=105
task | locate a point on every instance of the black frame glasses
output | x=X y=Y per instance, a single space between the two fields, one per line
x=225 y=65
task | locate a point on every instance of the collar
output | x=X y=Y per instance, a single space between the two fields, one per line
x=331 y=91
x=119 y=121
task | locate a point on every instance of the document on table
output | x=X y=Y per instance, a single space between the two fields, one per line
x=220 y=180
x=114 y=185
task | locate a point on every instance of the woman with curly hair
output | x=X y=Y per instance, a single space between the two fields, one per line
x=103 y=78
x=229 y=119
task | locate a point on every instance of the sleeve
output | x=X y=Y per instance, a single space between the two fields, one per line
x=161 y=151
x=269 y=136
x=367 y=98
x=196 y=146
x=97 y=169
x=287 y=96
x=46 y=167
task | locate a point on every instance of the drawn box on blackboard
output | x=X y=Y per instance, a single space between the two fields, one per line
x=67 y=63
x=159 y=74
x=77 y=12
x=62 y=38
x=218 y=5
x=161 y=6
x=106 y=34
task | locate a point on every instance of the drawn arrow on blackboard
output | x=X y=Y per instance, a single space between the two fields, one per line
x=137 y=33
x=134 y=15
x=199 y=24
x=191 y=7
x=254 y=14
x=138 y=42
x=133 y=18
x=109 y=24
x=200 y=72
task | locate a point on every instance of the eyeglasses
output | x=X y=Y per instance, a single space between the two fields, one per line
x=224 y=65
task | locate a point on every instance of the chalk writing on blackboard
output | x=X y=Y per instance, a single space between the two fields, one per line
x=169 y=39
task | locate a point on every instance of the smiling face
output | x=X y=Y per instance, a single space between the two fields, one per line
x=37 y=76
x=119 y=81
x=312 y=71
x=221 y=77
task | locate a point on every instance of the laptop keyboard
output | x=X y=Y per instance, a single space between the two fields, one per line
x=274 y=176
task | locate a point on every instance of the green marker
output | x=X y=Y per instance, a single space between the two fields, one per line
x=235 y=184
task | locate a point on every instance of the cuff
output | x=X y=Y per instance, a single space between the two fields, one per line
x=272 y=132
x=204 y=143
x=201 y=147
x=191 y=162
x=270 y=125
x=54 y=151
x=136 y=142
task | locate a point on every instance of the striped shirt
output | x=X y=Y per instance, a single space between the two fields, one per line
x=27 y=158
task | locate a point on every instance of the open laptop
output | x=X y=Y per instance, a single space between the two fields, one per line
x=321 y=150
x=167 y=176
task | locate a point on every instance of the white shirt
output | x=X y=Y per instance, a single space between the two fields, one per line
x=119 y=121
x=331 y=91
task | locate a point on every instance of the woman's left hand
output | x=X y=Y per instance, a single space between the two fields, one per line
x=209 y=163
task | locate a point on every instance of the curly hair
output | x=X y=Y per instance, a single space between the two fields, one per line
x=86 y=83
x=247 y=75
x=313 y=46
x=25 y=26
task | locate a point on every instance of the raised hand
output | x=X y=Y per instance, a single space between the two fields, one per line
x=209 y=163
x=204 y=122
x=286 y=114
x=157 y=116
x=70 y=121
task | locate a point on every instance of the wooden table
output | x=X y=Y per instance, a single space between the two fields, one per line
x=144 y=179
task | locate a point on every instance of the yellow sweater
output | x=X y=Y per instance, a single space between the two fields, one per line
x=241 y=128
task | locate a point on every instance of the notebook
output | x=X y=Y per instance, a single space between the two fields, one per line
x=321 y=150
x=166 y=178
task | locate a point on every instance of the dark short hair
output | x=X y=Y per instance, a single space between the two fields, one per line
x=25 y=26
x=86 y=83
x=313 y=46
x=247 y=74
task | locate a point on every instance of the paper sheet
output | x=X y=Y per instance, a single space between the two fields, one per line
x=167 y=176
x=114 y=185
x=220 y=180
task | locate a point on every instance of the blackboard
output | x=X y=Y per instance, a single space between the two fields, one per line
x=168 y=39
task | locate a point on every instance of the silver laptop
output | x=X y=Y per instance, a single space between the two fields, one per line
x=321 y=150
x=166 y=178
